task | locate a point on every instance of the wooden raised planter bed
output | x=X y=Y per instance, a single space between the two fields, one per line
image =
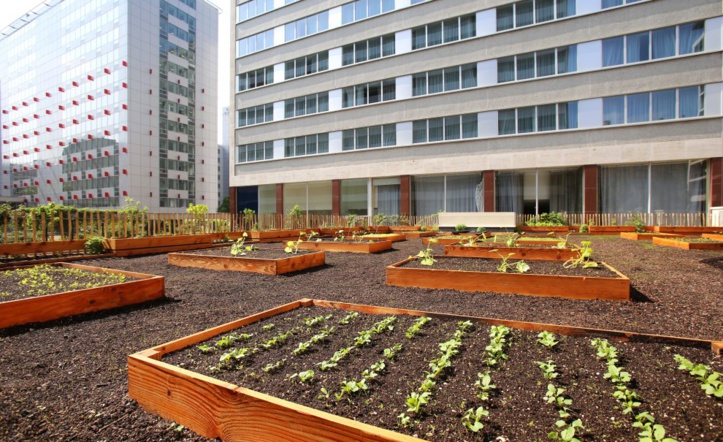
x=217 y=409
x=560 y=230
x=292 y=263
x=391 y=237
x=33 y=248
x=404 y=229
x=526 y=253
x=348 y=246
x=59 y=305
x=572 y=287
x=688 y=230
x=713 y=236
x=688 y=245
x=647 y=236
x=158 y=244
x=332 y=231
x=609 y=230
x=446 y=240
x=420 y=234
x=276 y=234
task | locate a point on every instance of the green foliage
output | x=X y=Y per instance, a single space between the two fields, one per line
x=293 y=218
x=504 y=265
x=238 y=248
x=710 y=381
x=460 y=228
x=427 y=254
x=304 y=376
x=415 y=328
x=637 y=222
x=94 y=245
x=472 y=419
x=225 y=205
x=547 y=339
x=391 y=352
x=552 y=219
x=485 y=386
x=548 y=369
x=583 y=257
x=292 y=247
x=46 y=279
x=415 y=401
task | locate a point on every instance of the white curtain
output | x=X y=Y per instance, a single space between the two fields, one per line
x=613 y=51
x=638 y=47
x=664 y=105
x=566 y=190
x=428 y=195
x=388 y=199
x=509 y=191
x=678 y=188
x=624 y=189
x=461 y=193
x=638 y=107
x=664 y=43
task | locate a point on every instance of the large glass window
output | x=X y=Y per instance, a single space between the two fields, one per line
x=537 y=64
x=663 y=42
x=369 y=93
x=254 y=79
x=307 y=65
x=308 y=145
x=537 y=118
x=447 y=79
x=255 y=152
x=692 y=37
x=634 y=48
x=613 y=51
x=443 y=32
x=354 y=197
x=528 y=12
x=368 y=50
x=691 y=101
x=637 y=108
x=613 y=110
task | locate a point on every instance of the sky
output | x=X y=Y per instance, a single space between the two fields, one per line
x=11 y=10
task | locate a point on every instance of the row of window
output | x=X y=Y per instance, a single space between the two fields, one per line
x=652 y=45
x=537 y=64
x=667 y=104
x=308 y=145
x=453 y=127
x=253 y=8
x=444 y=80
x=361 y=9
x=255 y=78
x=612 y=3
x=306 y=26
x=255 y=152
x=369 y=137
x=529 y=12
x=306 y=65
x=254 y=115
x=369 y=93
x=446 y=31
x=542 y=118
x=371 y=49
x=310 y=104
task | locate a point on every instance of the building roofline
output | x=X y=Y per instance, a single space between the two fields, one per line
x=28 y=17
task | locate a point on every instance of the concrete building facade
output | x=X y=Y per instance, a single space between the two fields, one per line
x=415 y=107
x=105 y=100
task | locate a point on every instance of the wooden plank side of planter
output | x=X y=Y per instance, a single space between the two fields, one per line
x=120 y=244
x=41 y=247
x=527 y=253
x=349 y=247
x=571 y=287
x=688 y=245
x=688 y=230
x=59 y=305
x=397 y=237
x=648 y=236
x=282 y=233
x=405 y=229
x=609 y=230
x=556 y=229
x=162 y=249
x=448 y=241
x=420 y=234
x=713 y=236
x=247 y=264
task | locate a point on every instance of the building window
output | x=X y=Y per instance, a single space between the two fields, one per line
x=613 y=3
x=254 y=115
x=447 y=31
x=444 y=80
x=255 y=152
x=306 y=145
x=656 y=44
x=307 y=105
x=542 y=118
x=369 y=137
x=307 y=65
x=369 y=93
x=368 y=50
x=445 y=128
x=685 y=102
x=529 y=12
x=254 y=8
x=537 y=64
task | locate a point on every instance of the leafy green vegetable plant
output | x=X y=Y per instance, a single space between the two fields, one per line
x=710 y=381
x=238 y=247
x=505 y=264
x=547 y=339
x=472 y=419
x=583 y=259
x=427 y=254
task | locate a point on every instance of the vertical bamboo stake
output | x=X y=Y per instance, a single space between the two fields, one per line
x=34 y=227
x=16 y=232
x=43 y=227
x=5 y=230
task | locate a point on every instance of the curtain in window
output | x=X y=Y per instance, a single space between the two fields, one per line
x=361 y=95
x=419 y=38
x=375 y=8
x=663 y=43
x=362 y=138
x=546 y=63
x=375 y=136
x=435 y=81
x=524 y=13
x=300 y=106
x=567 y=59
x=427 y=195
x=388 y=199
x=311 y=145
x=347 y=13
x=311 y=104
x=451 y=79
x=323 y=61
x=566 y=190
x=691 y=101
x=526 y=66
x=387 y=5
x=613 y=110
x=565 y=8
x=360 y=10
x=300 y=144
x=469 y=126
x=461 y=193
x=452 y=128
x=419 y=131
x=390 y=89
x=544 y=10
x=469 y=75
x=692 y=37
x=468 y=26
x=611 y=3
x=506 y=122
x=664 y=105
x=567 y=115
x=509 y=190
x=505 y=69
x=360 y=51
x=269 y=150
x=354 y=197
x=613 y=51
x=323 y=102
x=673 y=191
x=505 y=18
x=638 y=46
x=525 y=120
x=624 y=189
x=638 y=107
x=436 y=129
x=375 y=48
x=451 y=30
x=240 y=154
x=347 y=95
x=250 y=153
x=323 y=143
x=419 y=84
x=390 y=134
x=347 y=139
x=434 y=34
x=546 y=117
x=375 y=92
x=289 y=147
x=388 y=45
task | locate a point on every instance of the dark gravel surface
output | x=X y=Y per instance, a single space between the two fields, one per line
x=67 y=380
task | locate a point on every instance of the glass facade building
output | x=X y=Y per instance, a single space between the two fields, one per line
x=416 y=107
x=105 y=100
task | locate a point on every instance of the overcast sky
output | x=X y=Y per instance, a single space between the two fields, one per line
x=11 y=10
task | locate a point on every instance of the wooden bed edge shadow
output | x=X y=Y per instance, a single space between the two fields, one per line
x=214 y=408
x=63 y=304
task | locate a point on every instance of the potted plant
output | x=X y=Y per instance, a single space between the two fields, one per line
x=460 y=228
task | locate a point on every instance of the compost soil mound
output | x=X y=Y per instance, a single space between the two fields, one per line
x=67 y=379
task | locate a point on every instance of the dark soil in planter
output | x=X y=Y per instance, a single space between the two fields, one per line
x=67 y=379
x=517 y=409
x=490 y=266
x=266 y=251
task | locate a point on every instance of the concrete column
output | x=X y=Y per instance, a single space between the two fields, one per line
x=590 y=189
x=405 y=192
x=336 y=197
x=488 y=185
x=716 y=182
x=280 y=199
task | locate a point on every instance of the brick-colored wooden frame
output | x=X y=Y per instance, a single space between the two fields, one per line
x=59 y=305
x=276 y=234
x=571 y=287
x=526 y=253
x=647 y=236
x=161 y=244
x=713 y=236
x=392 y=237
x=218 y=409
x=42 y=247
x=609 y=230
x=292 y=263
x=347 y=246
x=420 y=234
x=688 y=245
x=688 y=230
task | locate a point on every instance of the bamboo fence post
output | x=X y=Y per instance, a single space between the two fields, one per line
x=16 y=232
x=5 y=230
x=43 y=227
x=34 y=226
x=25 y=228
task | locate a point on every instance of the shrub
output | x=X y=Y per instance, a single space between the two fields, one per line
x=94 y=245
x=551 y=219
